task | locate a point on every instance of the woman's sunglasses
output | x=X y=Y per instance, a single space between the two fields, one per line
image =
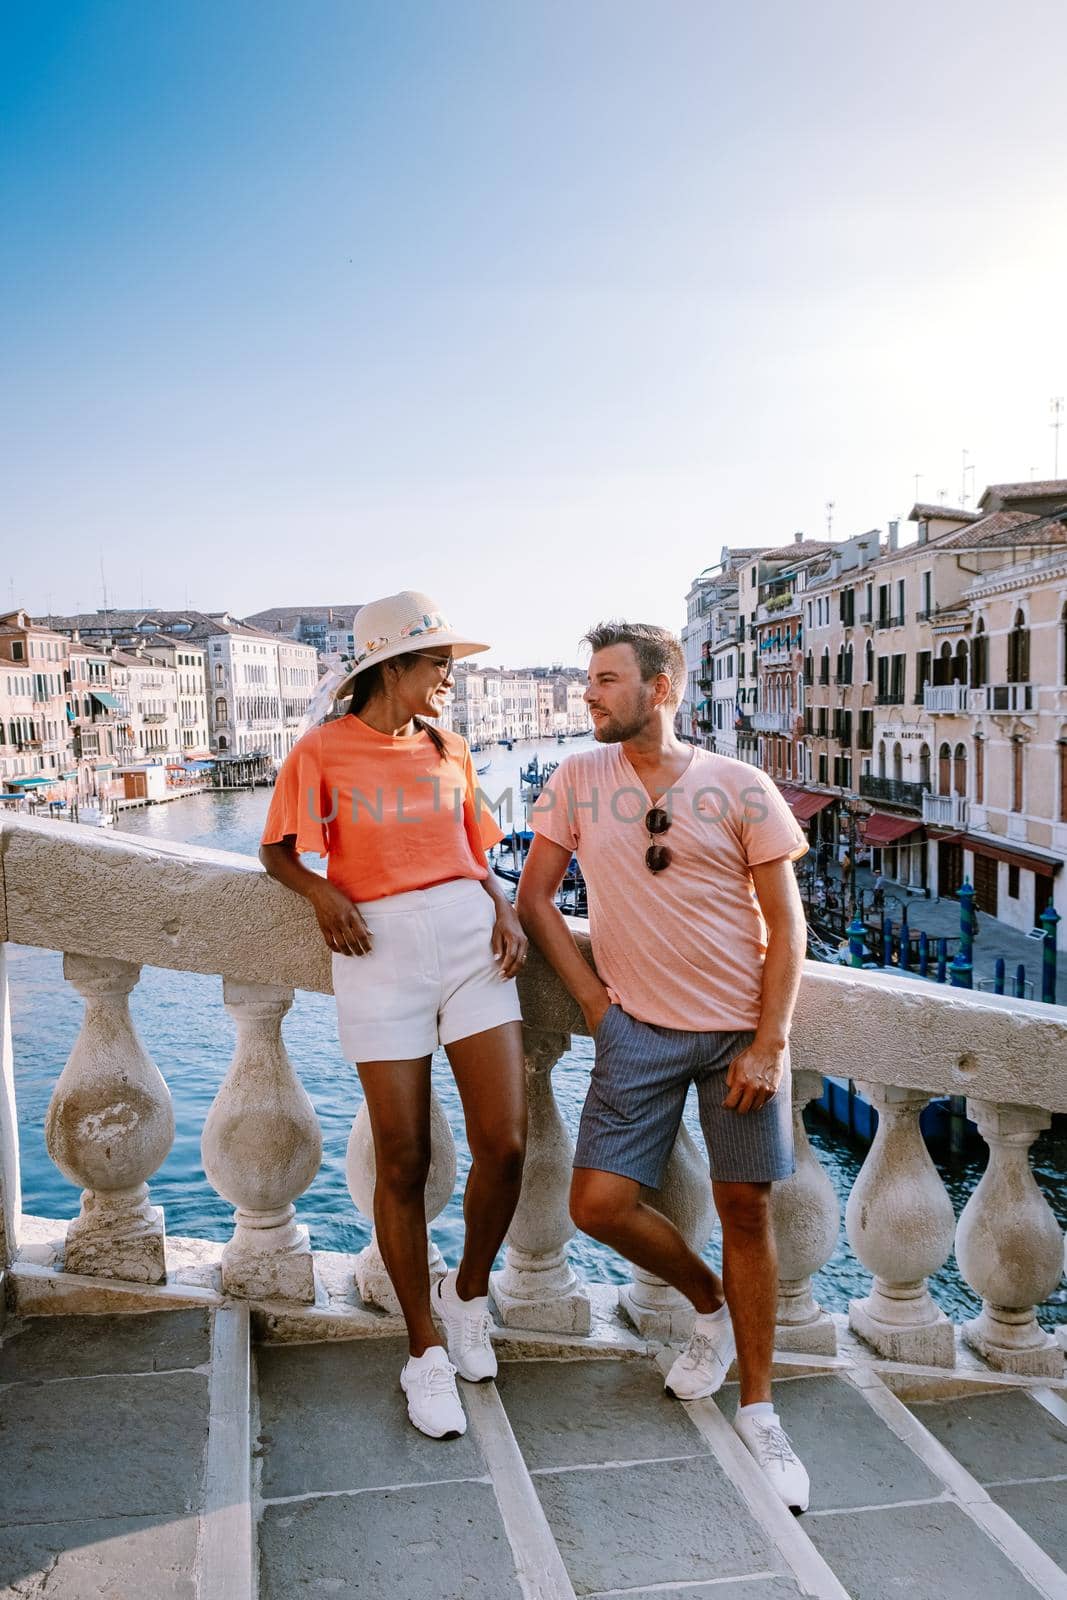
x=657 y=856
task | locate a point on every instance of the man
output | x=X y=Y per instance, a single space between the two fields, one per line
x=698 y=937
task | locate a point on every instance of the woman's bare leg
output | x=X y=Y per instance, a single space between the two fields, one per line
x=398 y=1101
x=491 y=1077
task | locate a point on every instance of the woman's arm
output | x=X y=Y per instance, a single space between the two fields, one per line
x=509 y=940
x=342 y=926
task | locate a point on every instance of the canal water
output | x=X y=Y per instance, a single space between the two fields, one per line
x=188 y=1033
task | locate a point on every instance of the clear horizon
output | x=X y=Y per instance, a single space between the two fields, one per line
x=533 y=309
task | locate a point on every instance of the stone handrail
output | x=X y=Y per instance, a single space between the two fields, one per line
x=114 y=904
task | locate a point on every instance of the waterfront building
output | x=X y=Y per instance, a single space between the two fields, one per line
x=519 y=705
x=328 y=629
x=770 y=695
x=189 y=660
x=150 y=691
x=37 y=738
x=711 y=713
x=99 y=720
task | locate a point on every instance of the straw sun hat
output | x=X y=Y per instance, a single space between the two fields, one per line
x=398 y=624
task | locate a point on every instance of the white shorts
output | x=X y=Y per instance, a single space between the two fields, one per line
x=429 y=978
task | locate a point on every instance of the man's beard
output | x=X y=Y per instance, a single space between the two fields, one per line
x=617 y=729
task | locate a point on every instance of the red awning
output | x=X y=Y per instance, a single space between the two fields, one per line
x=803 y=803
x=808 y=805
x=884 y=829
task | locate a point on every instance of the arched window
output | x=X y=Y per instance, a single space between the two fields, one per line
x=800 y=693
x=1063 y=642
x=944 y=770
x=1017 y=774
x=924 y=763
x=979 y=769
x=1061 y=751
x=868 y=663
x=221 y=712
x=809 y=668
x=1019 y=651
x=848 y=664
x=959 y=665
x=898 y=762
x=959 y=771
x=881 y=758
x=824 y=666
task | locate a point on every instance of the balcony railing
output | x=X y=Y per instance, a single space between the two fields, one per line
x=772 y=721
x=154 y=717
x=896 y=791
x=946 y=699
x=945 y=810
x=865 y=619
x=915 y=1041
x=894 y=620
x=890 y=697
x=1003 y=697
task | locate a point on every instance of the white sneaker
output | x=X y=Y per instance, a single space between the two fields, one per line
x=429 y=1381
x=703 y=1364
x=768 y=1441
x=467 y=1324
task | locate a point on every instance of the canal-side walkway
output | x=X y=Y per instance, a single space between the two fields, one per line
x=941 y=919
x=155 y=1456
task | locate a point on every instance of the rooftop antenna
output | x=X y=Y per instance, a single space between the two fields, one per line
x=829 y=519
x=1055 y=405
x=918 y=479
x=103 y=586
x=963 y=479
x=942 y=495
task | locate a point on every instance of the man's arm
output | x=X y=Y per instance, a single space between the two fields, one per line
x=754 y=1075
x=543 y=921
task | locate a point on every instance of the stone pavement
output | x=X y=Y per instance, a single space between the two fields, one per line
x=577 y=1477
x=941 y=919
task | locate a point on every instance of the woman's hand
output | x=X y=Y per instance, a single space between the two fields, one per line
x=509 y=942
x=343 y=928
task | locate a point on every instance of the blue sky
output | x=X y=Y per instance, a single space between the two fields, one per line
x=533 y=306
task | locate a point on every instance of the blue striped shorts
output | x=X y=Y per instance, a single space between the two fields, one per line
x=637 y=1094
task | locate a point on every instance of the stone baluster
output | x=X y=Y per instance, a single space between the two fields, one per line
x=899 y=1222
x=372 y=1279
x=261 y=1148
x=1009 y=1246
x=109 y=1126
x=807 y=1220
x=656 y=1310
x=537 y=1287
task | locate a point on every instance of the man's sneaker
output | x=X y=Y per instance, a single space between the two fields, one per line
x=467 y=1324
x=703 y=1364
x=768 y=1441
x=429 y=1381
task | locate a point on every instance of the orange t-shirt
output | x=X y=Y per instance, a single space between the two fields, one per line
x=389 y=814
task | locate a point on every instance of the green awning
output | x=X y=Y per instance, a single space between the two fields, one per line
x=30 y=783
x=104 y=699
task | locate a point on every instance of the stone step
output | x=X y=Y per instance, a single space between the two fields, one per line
x=1014 y=1443
x=891 y=1515
x=104 y=1422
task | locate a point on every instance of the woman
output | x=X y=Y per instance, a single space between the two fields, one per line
x=425 y=951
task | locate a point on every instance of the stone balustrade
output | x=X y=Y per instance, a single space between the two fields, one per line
x=113 y=905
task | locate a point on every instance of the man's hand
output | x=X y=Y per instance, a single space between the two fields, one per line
x=753 y=1078
x=343 y=928
x=595 y=1014
x=509 y=942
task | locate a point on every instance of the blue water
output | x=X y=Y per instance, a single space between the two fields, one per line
x=189 y=1035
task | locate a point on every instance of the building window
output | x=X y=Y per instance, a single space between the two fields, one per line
x=1017 y=775
x=924 y=763
x=1019 y=651
x=980 y=655
x=944 y=770
x=1062 y=749
x=1013 y=883
x=979 y=770
x=868 y=662
x=959 y=771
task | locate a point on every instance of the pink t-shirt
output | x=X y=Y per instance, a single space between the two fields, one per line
x=682 y=948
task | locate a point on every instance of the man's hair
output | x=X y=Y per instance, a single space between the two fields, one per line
x=657 y=650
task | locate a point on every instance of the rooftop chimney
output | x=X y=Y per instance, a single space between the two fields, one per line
x=894 y=528
x=798 y=538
